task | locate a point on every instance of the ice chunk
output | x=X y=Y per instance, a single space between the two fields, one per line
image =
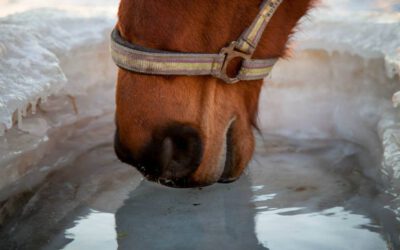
x=35 y=126
x=396 y=99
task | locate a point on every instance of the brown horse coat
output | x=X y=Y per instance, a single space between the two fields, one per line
x=193 y=131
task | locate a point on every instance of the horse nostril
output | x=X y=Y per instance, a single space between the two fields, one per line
x=180 y=152
x=166 y=153
x=173 y=153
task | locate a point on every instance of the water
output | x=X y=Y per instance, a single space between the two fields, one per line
x=296 y=195
x=315 y=181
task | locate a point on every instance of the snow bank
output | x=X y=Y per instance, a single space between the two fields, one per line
x=340 y=84
x=34 y=48
x=343 y=74
x=366 y=34
x=56 y=78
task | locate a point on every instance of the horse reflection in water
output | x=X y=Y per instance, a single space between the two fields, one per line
x=157 y=218
x=190 y=131
x=225 y=216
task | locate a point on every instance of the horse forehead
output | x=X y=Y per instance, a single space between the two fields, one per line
x=198 y=26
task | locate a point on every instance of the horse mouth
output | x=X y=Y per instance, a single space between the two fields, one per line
x=229 y=163
x=226 y=164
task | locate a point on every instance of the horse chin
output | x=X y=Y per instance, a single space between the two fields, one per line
x=229 y=156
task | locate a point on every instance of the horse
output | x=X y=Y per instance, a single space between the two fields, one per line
x=194 y=130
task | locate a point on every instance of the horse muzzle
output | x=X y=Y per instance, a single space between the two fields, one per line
x=171 y=157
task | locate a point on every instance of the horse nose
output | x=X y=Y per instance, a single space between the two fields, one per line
x=173 y=153
x=180 y=151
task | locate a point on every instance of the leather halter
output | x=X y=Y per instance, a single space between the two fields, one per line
x=135 y=58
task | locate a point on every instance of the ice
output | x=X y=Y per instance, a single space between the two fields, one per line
x=396 y=99
x=46 y=71
x=344 y=72
x=43 y=50
x=34 y=126
x=82 y=7
x=329 y=127
x=343 y=82
x=367 y=33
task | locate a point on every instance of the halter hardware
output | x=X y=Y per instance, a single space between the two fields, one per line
x=230 y=52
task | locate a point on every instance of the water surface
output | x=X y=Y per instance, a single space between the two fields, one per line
x=296 y=195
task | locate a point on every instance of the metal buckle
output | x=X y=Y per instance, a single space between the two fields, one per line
x=230 y=52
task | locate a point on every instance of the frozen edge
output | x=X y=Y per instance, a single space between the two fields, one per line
x=310 y=40
x=365 y=38
x=41 y=52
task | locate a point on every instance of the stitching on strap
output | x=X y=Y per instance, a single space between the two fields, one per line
x=249 y=40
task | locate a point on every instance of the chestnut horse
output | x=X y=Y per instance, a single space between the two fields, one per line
x=187 y=131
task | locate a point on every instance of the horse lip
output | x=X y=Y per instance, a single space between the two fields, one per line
x=228 y=155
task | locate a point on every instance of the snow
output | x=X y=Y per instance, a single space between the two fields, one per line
x=344 y=75
x=41 y=49
x=373 y=25
x=372 y=35
x=82 y=7
x=45 y=72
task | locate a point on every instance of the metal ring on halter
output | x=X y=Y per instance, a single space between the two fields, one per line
x=230 y=53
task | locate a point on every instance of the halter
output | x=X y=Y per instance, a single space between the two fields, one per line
x=135 y=58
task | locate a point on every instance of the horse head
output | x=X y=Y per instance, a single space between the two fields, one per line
x=186 y=131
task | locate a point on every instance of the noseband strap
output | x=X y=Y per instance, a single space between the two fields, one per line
x=135 y=58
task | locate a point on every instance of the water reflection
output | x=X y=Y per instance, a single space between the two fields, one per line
x=311 y=195
x=96 y=231
x=220 y=216
x=333 y=228
x=299 y=196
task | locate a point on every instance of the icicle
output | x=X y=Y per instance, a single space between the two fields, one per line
x=2 y=129
x=396 y=99
x=24 y=110
x=19 y=118
x=366 y=62
x=2 y=49
x=72 y=99
x=33 y=106
x=43 y=98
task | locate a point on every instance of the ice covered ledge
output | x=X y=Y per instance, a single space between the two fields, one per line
x=319 y=94
x=342 y=82
x=44 y=69
x=323 y=92
x=49 y=52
